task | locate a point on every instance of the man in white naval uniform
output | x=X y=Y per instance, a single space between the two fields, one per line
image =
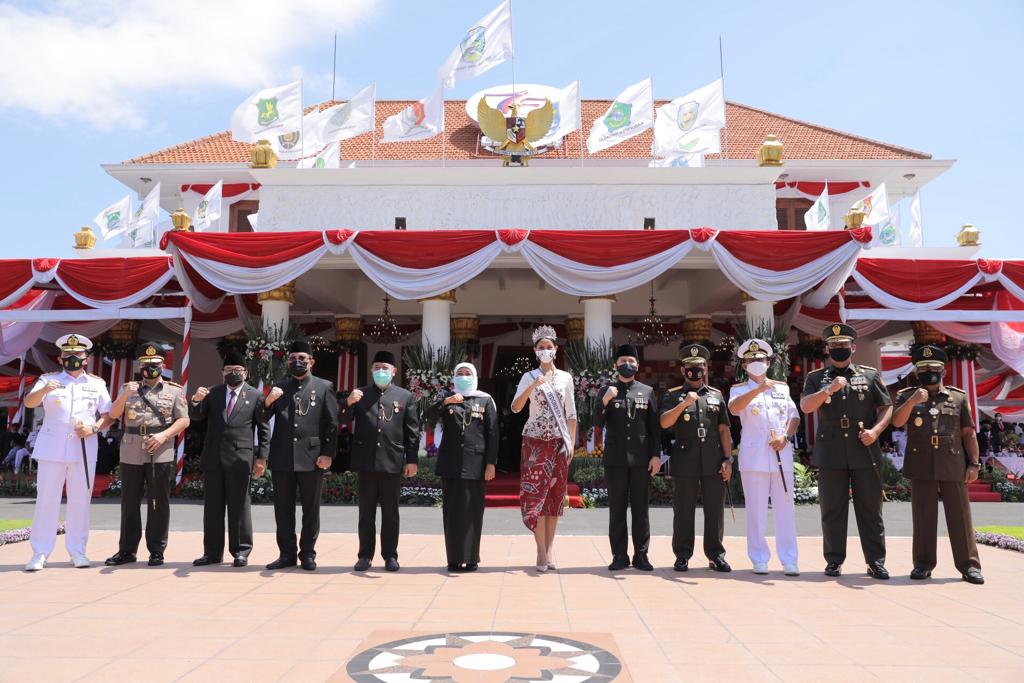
x=71 y=399
x=768 y=418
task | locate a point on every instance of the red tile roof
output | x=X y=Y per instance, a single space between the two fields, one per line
x=747 y=129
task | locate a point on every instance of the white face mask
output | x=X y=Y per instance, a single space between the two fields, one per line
x=757 y=367
x=546 y=355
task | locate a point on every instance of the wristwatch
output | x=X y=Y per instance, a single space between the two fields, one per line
x=974 y=464
x=728 y=460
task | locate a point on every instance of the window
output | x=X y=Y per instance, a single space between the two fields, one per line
x=790 y=213
x=239 y=217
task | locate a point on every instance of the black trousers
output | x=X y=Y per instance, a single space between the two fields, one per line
x=834 y=487
x=462 y=515
x=628 y=487
x=379 y=488
x=308 y=485
x=135 y=481
x=227 y=487
x=684 y=510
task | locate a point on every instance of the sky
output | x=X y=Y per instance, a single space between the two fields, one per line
x=86 y=82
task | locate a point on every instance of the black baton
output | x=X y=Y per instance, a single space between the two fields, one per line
x=85 y=465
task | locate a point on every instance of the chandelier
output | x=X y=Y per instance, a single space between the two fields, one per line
x=523 y=363
x=384 y=331
x=652 y=329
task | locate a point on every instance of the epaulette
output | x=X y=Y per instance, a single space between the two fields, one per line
x=173 y=384
x=904 y=389
x=96 y=376
x=674 y=389
x=714 y=389
x=866 y=367
x=957 y=390
x=739 y=384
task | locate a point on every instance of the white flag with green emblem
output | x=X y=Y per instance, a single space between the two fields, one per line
x=342 y=121
x=487 y=44
x=114 y=219
x=819 y=216
x=691 y=123
x=269 y=113
x=876 y=214
x=567 y=115
x=419 y=121
x=329 y=157
x=149 y=212
x=631 y=113
x=207 y=213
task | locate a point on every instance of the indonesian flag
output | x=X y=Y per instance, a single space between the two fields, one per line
x=207 y=213
x=691 y=123
x=567 y=115
x=486 y=44
x=114 y=219
x=342 y=121
x=819 y=216
x=269 y=114
x=419 y=121
x=329 y=157
x=631 y=113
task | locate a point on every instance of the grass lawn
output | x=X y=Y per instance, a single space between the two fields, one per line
x=8 y=524
x=1014 y=531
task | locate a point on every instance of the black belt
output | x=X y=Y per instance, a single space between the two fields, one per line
x=141 y=430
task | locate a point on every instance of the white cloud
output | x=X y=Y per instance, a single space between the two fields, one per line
x=96 y=61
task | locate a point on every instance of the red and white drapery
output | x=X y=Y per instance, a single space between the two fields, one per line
x=809 y=365
x=960 y=373
x=96 y=283
x=813 y=190
x=895 y=368
x=767 y=265
x=348 y=370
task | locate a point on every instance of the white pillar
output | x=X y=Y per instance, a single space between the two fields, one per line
x=759 y=314
x=275 y=305
x=597 y=319
x=437 y=320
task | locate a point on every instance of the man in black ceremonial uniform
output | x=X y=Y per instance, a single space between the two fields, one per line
x=233 y=415
x=632 y=444
x=385 y=445
x=305 y=412
x=853 y=409
x=701 y=459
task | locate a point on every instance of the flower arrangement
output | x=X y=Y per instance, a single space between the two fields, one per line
x=428 y=371
x=999 y=541
x=267 y=352
x=592 y=367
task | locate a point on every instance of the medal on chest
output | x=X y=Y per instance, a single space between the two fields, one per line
x=686 y=417
x=918 y=421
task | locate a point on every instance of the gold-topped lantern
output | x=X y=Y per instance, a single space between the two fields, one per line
x=854 y=218
x=771 y=152
x=262 y=155
x=969 y=236
x=181 y=220
x=85 y=238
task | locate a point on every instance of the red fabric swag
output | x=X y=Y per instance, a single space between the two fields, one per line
x=408 y=250
x=111 y=278
x=781 y=250
x=249 y=250
x=608 y=247
x=914 y=280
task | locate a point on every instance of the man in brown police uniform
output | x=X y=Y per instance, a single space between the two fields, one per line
x=154 y=413
x=941 y=458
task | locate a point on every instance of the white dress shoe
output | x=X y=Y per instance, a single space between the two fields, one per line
x=760 y=568
x=790 y=570
x=36 y=563
x=80 y=561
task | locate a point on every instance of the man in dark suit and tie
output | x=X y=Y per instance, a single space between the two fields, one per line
x=384 y=447
x=233 y=415
x=305 y=439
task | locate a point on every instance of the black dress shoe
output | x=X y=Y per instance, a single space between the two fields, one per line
x=454 y=567
x=470 y=567
x=308 y=563
x=205 y=560
x=120 y=558
x=281 y=563
x=240 y=561
x=391 y=564
x=681 y=565
x=877 y=570
x=920 y=574
x=719 y=565
x=973 y=576
x=641 y=562
x=619 y=562
x=155 y=559
x=362 y=564
x=833 y=569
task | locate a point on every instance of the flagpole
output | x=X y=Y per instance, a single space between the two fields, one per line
x=334 y=65
x=511 y=38
x=579 y=108
x=725 y=114
x=444 y=133
x=373 y=137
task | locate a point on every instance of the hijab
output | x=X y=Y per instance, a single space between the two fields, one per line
x=474 y=391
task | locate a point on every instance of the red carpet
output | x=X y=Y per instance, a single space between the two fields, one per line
x=503 y=492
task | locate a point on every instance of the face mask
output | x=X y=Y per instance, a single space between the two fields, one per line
x=464 y=383
x=694 y=374
x=840 y=354
x=546 y=355
x=382 y=378
x=929 y=378
x=757 y=367
x=72 y=363
x=233 y=379
x=626 y=369
x=151 y=371
x=298 y=368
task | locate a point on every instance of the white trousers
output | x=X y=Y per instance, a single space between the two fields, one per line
x=50 y=479
x=758 y=488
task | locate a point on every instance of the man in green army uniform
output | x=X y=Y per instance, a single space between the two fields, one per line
x=942 y=458
x=853 y=409
x=701 y=459
x=155 y=412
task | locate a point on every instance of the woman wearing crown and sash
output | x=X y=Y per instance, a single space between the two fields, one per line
x=548 y=439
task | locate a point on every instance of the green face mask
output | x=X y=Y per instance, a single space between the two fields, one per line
x=382 y=378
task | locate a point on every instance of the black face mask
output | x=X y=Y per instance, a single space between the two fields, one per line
x=840 y=354
x=626 y=369
x=72 y=363
x=298 y=368
x=151 y=371
x=927 y=379
x=694 y=374
x=233 y=379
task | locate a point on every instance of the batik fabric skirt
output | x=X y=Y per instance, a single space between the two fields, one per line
x=543 y=471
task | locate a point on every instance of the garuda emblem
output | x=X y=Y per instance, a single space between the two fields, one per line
x=514 y=131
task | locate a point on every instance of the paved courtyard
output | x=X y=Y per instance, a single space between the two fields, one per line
x=177 y=622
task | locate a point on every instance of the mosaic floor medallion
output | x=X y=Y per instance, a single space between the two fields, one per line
x=483 y=657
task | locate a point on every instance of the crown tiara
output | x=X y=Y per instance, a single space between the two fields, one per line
x=544 y=332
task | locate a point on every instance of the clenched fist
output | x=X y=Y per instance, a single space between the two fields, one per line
x=354 y=397
x=920 y=396
x=275 y=393
x=131 y=387
x=691 y=397
x=200 y=394
x=454 y=398
x=53 y=385
x=838 y=384
x=610 y=394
